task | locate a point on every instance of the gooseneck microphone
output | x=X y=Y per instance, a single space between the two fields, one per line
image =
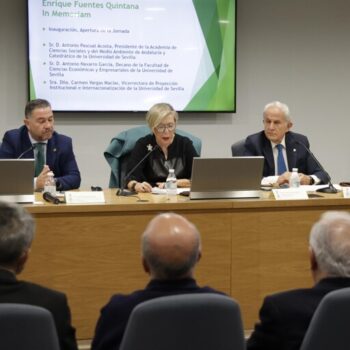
x=51 y=198
x=330 y=188
x=122 y=191
x=31 y=148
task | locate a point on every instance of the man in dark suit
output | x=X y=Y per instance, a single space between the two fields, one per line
x=170 y=250
x=57 y=151
x=276 y=140
x=285 y=317
x=16 y=235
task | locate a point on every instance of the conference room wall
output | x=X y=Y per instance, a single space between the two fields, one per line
x=296 y=51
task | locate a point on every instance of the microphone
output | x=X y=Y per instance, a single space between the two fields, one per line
x=31 y=148
x=51 y=198
x=330 y=188
x=121 y=191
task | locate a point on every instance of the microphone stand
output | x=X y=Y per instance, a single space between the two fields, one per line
x=31 y=148
x=330 y=188
x=122 y=191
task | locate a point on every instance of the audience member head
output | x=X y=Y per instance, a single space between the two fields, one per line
x=330 y=246
x=16 y=236
x=277 y=121
x=162 y=119
x=171 y=247
x=39 y=119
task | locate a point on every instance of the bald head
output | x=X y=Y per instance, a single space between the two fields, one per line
x=170 y=247
x=330 y=244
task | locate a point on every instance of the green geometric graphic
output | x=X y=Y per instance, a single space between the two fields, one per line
x=32 y=94
x=217 y=19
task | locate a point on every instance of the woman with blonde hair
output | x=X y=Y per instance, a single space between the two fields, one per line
x=173 y=151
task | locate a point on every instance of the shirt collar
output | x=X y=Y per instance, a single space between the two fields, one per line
x=7 y=275
x=283 y=143
x=332 y=282
x=184 y=283
x=35 y=141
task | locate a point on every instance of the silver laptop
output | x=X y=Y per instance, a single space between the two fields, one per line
x=17 y=180
x=235 y=177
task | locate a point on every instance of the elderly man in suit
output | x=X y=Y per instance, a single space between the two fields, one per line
x=171 y=248
x=37 y=139
x=285 y=316
x=16 y=235
x=283 y=149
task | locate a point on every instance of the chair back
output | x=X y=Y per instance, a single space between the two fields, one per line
x=24 y=327
x=121 y=145
x=329 y=327
x=238 y=148
x=188 y=322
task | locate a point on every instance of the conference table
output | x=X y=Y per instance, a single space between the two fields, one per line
x=251 y=247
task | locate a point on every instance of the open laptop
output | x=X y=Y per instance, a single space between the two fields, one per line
x=17 y=180
x=235 y=177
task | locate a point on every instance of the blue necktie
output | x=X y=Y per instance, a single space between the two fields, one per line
x=281 y=165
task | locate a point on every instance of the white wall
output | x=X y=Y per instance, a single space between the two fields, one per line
x=296 y=51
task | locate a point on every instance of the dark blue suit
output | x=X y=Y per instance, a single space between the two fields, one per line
x=59 y=155
x=21 y=292
x=259 y=145
x=114 y=316
x=285 y=316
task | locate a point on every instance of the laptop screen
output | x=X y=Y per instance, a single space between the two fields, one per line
x=17 y=180
x=234 y=177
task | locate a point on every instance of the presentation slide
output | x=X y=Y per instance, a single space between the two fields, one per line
x=126 y=56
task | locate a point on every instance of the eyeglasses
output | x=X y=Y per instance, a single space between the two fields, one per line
x=162 y=127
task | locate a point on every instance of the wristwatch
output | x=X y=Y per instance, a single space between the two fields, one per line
x=312 y=180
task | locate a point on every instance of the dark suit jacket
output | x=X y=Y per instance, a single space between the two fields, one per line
x=156 y=168
x=59 y=155
x=259 y=145
x=114 y=316
x=20 y=292
x=285 y=317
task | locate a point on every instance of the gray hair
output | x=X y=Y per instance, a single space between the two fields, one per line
x=281 y=106
x=158 y=112
x=16 y=232
x=330 y=242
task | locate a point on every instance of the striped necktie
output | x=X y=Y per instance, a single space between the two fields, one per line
x=281 y=165
x=39 y=158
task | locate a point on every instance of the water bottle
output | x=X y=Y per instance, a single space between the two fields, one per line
x=294 y=180
x=50 y=183
x=171 y=183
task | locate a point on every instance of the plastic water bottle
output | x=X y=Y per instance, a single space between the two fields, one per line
x=50 y=183
x=294 y=180
x=171 y=183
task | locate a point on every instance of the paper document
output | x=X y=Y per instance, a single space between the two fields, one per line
x=314 y=188
x=157 y=190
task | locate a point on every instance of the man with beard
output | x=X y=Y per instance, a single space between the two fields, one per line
x=37 y=139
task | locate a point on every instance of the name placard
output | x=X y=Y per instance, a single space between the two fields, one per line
x=346 y=192
x=290 y=193
x=87 y=197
